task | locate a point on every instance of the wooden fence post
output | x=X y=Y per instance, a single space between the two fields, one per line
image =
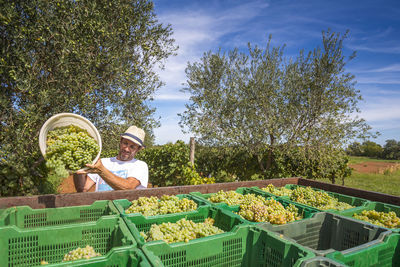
x=192 y=146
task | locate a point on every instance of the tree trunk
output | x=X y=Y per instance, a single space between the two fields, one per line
x=269 y=155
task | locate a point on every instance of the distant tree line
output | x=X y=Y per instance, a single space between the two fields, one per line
x=391 y=150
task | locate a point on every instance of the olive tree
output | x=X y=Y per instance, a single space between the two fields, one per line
x=94 y=58
x=267 y=103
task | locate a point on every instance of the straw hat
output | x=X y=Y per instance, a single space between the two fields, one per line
x=135 y=135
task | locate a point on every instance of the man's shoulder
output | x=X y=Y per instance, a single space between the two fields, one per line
x=139 y=162
x=108 y=160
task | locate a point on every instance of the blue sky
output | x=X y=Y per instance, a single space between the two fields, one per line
x=200 y=26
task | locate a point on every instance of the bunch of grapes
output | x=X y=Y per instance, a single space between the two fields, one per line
x=270 y=211
x=149 y=206
x=385 y=219
x=69 y=148
x=277 y=191
x=318 y=199
x=181 y=231
x=233 y=198
x=81 y=253
x=229 y=197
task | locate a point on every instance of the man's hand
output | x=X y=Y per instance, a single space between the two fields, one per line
x=98 y=168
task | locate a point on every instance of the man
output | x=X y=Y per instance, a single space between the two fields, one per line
x=121 y=172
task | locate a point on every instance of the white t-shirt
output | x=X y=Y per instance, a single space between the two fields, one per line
x=134 y=168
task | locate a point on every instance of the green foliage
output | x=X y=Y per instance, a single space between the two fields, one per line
x=265 y=104
x=169 y=165
x=355 y=149
x=165 y=162
x=391 y=150
x=109 y=153
x=85 y=57
x=192 y=177
x=312 y=164
x=372 y=149
x=226 y=164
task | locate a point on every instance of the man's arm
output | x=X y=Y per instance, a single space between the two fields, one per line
x=89 y=183
x=116 y=182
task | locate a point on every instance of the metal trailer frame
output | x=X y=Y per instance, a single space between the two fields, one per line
x=87 y=198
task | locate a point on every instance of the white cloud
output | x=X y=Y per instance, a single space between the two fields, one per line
x=195 y=32
x=389 y=68
x=378 y=79
x=381 y=109
x=388 y=48
x=170 y=131
x=172 y=96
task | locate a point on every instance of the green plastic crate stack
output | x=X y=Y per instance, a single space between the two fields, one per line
x=240 y=190
x=26 y=218
x=123 y=204
x=325 y=233
x=109 y=236
x=379 y=207
x=140 y=223
x=244 y=246
x=321 y=262
x=383 y=254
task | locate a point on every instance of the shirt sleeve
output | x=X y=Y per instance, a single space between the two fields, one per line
x=141 y=174
x=95 y=177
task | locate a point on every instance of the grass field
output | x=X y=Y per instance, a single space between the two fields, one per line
x=355 y=160
x=388 y=183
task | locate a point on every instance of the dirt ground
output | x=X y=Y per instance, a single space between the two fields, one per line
x=375 y=167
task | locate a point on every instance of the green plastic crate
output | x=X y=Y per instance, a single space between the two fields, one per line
x=383 y=254
x=128 y=258
x=378 y=206
x=4 y=213
x=25 y=217
x=245 y=246
x=321 y=262
x=240 y=190
x=222 y=220
x=294 y=186
x=359 y=203
x=306 y=211
x=289 y=186
x=28 y=247
x=123 y=204
x=327 y=232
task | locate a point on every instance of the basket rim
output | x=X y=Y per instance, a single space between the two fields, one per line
x=56 y=118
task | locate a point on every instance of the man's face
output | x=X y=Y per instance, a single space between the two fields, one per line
x=127 y=149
